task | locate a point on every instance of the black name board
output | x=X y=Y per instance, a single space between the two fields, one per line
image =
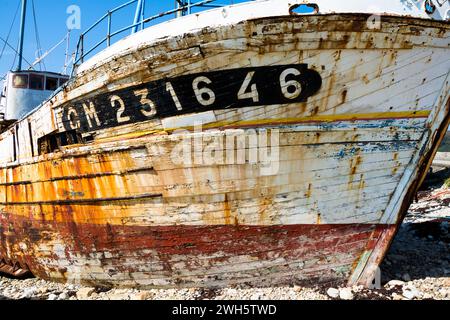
x=227 y=89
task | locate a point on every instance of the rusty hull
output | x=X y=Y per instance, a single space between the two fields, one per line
x=117 y=212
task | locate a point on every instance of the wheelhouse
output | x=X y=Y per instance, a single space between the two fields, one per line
x=25 y=90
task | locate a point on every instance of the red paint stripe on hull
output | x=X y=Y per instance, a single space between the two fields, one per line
x=187 y=255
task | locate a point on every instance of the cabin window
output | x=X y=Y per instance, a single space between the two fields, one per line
x=62 y=81
x=51 y=84
x=36 y=82
x=53 y=142
x=20 y=81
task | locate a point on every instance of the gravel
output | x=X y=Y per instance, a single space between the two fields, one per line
x=333 y=292
x=416 y=267
x=346 y=294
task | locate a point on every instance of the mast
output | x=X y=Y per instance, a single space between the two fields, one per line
x=22 y=34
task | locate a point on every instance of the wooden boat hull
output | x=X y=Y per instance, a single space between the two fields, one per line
x=201 y=256
x=127 y=210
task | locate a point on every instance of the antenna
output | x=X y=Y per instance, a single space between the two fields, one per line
x=66 y=59
x=22 y=33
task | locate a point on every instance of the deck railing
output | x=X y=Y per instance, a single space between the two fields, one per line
x=183 y=7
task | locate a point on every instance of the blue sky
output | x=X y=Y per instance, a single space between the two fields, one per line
x=51 y=17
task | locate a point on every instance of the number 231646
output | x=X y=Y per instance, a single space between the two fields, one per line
x=226 y=89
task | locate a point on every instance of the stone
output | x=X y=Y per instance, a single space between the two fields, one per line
x=145 y=295
x=52 y=297
x=427 y=296
x=118 y=296
x=85 y=293
x=357 y=289
x=121 y=291
x=409 y=294
x=29 y=293
x=94 y=296
x=63 y=296
x=406 y=277
x=333 y=293
x=444 y=226
x=256 y=296
x=444 y=292
x=394 y=283
x=346 y=294
x=396 y=257
x=43 y=290
x=298 y=289
x=396 y=296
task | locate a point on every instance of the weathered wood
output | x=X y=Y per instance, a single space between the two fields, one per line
x=126 y=210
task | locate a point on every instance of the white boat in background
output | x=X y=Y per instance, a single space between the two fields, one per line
x=319 y=120
x=442 y=158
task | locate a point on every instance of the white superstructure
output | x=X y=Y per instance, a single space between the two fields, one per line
x=25 y=90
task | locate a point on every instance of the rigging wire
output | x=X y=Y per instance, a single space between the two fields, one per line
x=17 y=55
x=36 y=33
x=41 y=58
x=40 y=55
x=15 y=50
x=10 y=30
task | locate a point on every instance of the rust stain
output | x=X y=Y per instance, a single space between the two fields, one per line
x=315 y=111
x=344 y=96
x=354 y=165
x=319 y=218
x=397 y=164
x=227 y=211
x=309 y=191
x=362 y=183
x=317 y=137
x=263 y=210
x=365 y=78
